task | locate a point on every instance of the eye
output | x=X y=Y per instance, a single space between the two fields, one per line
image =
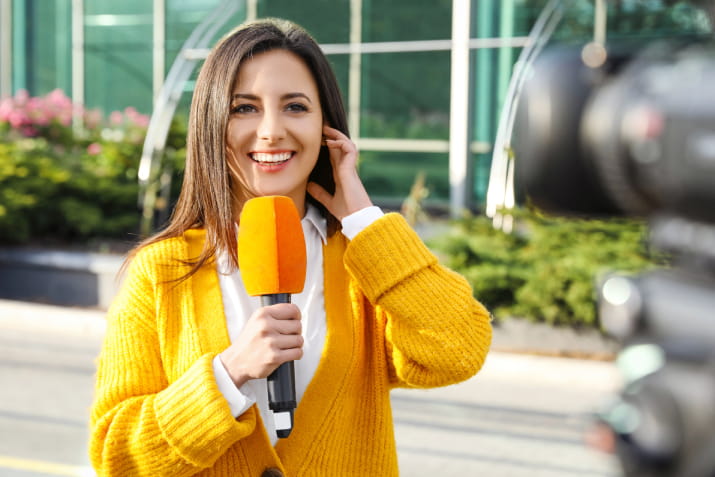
x=243 y=109
x=296 y=107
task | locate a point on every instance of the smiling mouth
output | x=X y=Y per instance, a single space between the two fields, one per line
x=270 y=158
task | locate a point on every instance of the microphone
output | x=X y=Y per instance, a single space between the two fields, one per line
x=272 y=261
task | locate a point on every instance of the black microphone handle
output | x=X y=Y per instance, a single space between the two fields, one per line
x=281 y=382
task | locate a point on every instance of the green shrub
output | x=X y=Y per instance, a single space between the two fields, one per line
x=546 y=270
x=64 y=183
x=486 y=257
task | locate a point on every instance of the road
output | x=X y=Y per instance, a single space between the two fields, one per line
x=520 y=416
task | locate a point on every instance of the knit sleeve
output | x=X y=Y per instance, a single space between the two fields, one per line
x=140 y=423
x=436 y=333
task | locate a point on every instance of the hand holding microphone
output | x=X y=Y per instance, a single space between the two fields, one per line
x=271 y=336
x=272 y=261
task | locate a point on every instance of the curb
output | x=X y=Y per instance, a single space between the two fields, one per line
x=515 y=335
x=41 y=318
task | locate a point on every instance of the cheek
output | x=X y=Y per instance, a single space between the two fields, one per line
x=230 y=138
x=234 y=138
x=315 y=133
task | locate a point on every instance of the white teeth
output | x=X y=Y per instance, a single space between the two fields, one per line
x=265 y=157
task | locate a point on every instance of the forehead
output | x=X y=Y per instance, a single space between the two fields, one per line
x=275 y=70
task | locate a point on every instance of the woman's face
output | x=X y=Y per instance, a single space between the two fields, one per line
x=275 y=128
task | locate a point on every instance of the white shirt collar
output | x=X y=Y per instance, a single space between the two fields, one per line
x=313 y=217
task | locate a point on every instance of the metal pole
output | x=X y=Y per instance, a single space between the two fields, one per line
x=600 y=22
x=251 y=10
x=355 y=80
x=5 y=48
x=77 y=56
x=459 y=108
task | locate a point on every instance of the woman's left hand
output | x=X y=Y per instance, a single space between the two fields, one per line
x=350 y=194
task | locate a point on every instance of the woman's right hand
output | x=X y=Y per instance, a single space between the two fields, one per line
x=271 y=337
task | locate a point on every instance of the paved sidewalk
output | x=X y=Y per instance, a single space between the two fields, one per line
x=515 y=336
x=522 y=415
x=29 y=317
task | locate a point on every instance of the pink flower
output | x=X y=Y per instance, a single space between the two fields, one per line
x=92 y=118
x=58 y=99
x=94 y=149
x=21 y=96
x=18 y=118
x=65 y=118
x=28 y=131
x=6 y=108
x=142 y=120
x=136 y=117
x=34 y=104
x=116 y=118
x=41 y=118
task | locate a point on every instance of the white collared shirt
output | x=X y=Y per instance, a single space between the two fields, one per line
x=239 y=307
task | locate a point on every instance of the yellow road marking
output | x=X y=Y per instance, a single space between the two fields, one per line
x=53 y=468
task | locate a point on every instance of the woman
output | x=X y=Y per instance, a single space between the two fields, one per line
x=180 y=384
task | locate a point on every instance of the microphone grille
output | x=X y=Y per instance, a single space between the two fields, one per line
x=271 y=246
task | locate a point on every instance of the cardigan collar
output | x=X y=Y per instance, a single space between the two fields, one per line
x=339 y=352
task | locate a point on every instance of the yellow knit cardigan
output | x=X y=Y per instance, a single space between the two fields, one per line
x=395 y=317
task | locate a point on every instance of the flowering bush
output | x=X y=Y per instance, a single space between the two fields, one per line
x=66 y=172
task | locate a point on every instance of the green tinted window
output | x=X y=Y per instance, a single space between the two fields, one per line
x=42 y=46
x=388 y=176
x=328 y=21
x=182 y=17
x=406 y=20
x=405 y=95
x=118 y=54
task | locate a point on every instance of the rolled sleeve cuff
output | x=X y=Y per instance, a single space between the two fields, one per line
x=238 y=400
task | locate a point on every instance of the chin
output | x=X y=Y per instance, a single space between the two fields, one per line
x=265 y=191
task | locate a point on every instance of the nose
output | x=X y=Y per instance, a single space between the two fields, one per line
x=271 y=127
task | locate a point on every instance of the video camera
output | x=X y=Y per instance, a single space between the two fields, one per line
x=629 y=129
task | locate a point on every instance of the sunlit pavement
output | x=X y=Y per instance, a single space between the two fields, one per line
x=522 y=415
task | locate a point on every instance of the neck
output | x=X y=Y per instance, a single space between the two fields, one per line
x=300 y=205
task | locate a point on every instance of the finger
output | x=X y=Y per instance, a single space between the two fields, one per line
x=340 y=154
x=286 y=342
x=332 y=133
x=334 y=138
x=293 y=354
x=288 y=327
x=283 y=311
x=344 y=145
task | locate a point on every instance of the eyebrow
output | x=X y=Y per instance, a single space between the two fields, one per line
x=253 y=97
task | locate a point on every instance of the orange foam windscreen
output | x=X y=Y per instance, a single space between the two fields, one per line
x=271 y=246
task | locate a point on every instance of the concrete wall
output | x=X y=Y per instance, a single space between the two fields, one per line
x=58 y=277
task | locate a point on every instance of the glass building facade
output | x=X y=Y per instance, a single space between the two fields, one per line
x=424 y=80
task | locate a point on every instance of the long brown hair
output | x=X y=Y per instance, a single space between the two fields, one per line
x=205 y=200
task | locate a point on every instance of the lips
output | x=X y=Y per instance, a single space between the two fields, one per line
x=271 y=157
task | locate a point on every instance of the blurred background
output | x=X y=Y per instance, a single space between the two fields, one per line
x=94 y=97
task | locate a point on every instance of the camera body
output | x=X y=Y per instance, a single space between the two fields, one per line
x=631 y=131
x=634 y=135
